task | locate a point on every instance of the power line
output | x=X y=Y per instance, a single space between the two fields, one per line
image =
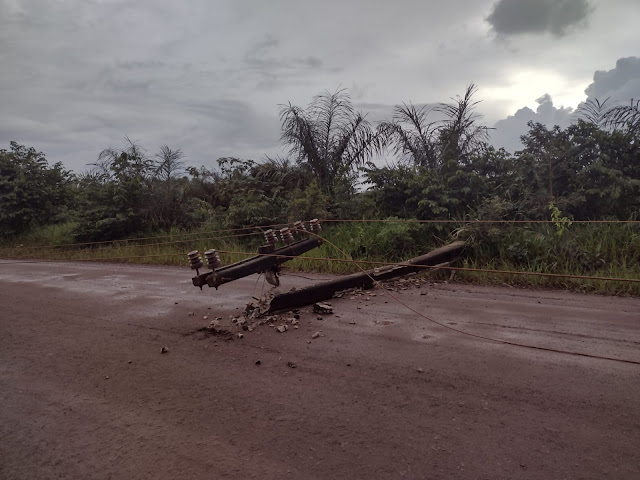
x=452 y=221
x=342 y=260
x=127 y=240
x=228 y=230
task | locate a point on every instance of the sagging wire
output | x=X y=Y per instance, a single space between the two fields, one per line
x=174 y=242
x=470 y=221
x=126 y=240
x=474 y=335
x=461 y=269
x=228 y=230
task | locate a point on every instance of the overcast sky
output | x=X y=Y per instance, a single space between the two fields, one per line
x=207 y=76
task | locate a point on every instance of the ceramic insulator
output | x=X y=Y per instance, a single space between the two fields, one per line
x=315 y=226
x=195 y=260
x=287 y=237
x=213 y=259
x=299 y=228
x=270 y=237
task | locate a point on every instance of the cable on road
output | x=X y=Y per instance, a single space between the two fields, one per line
x=474 y=335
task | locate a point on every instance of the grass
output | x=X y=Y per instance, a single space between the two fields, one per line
x=603 y=250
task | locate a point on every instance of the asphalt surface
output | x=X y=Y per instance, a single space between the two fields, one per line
x=380 y=393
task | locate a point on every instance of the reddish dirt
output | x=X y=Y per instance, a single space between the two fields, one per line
x=85 y=391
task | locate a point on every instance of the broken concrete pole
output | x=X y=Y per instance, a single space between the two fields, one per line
x=325 y=291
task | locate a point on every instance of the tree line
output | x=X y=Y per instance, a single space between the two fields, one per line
x=441 y=166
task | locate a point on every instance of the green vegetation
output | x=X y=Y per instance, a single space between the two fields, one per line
x=445 y=170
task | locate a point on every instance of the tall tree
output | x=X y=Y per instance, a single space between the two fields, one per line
x=460 y=133
x=167 y=204
x=116 y=194
x=32 y=193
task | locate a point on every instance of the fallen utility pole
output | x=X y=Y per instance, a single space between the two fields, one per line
x=267 y=261
x=365 y=280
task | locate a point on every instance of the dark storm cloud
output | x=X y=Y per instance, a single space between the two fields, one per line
x=508 y=131
x=513 y=17
x=619 y=85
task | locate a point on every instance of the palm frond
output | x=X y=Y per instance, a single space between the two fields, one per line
x=412 y=135
x=594 y=111
x=460 y=131
x=625 y=117
x=331 y=114
x=298 y=132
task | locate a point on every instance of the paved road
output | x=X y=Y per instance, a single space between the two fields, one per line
x=383 y=393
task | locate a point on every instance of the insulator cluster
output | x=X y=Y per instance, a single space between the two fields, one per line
x=270 y=237
x=213 y=259
x=287 y=236
x=195 y=260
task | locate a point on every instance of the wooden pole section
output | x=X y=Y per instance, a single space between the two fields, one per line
x=326 y=290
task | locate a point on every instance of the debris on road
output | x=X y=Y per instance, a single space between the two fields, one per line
x=315 y=335
x=164 y=350
x=323 y=308
x=354 y=287
x=291 y=365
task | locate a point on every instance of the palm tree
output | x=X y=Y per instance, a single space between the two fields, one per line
x=412 y=136
x=460 y=133
x=430 y=143
x=167 y=208
x=169 y=163
x=330 y=137
x=281 y=171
